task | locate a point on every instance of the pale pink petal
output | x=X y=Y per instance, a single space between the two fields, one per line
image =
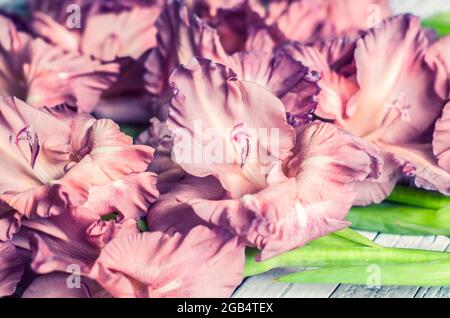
x=375 y=191
x=57 y=77
x=128 y=33
x=57 y=286
x=9 y=224
x=235 y=114
x=438 y=59
x=45 y=26
x=155 y=265
x=316 y=195
x=23 y=183
x=45 y=75
x=441 y=139
x=236 y=25
x=298 y=20
x=159 y=137
x=336 y=90
x=418 y=161
x=396 y=102
x=170 y=208
x=308 y=20
x=292 y=82
x=132 y=194
x=11 y=268
x=181 y=36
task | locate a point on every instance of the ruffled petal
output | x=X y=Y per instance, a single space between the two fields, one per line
x=375 y=191
x=295 y=84
x=181 y=36
x=31 y=160
x=316 y=196
x=45 y=75
x=309 y=20
x=105 y=154
x=57 y=286
x=132 y=194
x=438 y=59
x=46 y=27
x=208 y=101
x=154 y=265
x=396 y=102
x=418 y=161
x=441 y=139
x=11 y=268
x=125 y=34
x=165 y=214
x=336 y=89
x=9 y=224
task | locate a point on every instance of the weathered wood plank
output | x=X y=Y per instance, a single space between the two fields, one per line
x=420 y=7
x=264 y=285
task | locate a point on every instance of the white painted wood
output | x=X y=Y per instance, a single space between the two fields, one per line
x=423 y=8
x=264 y=285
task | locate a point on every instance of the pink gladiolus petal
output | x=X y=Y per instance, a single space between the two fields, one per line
x=309 y=20
x=326 y=166
x=165 y=214
x=44 y=75
x=11 y=268
x=296 y=85
x=9 y=224
x=441 y=139
x=154 y=265
x=375 y=191
x=76 y=153
x=20 y=168
x=126 y=34
x=60 y=285
x=438 y=59
x=418 y=161
x=207 y=96
x=394 y=104
x=336 y=90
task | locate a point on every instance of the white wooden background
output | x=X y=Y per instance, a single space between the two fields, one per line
x=265 y=286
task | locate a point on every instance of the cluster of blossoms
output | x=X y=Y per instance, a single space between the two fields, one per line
x=266 y=123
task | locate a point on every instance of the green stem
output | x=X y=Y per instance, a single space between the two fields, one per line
x=312 y=256
x=419 y=274
x=418 y=197
x=400 y=219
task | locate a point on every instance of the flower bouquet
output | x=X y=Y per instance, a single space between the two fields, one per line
x=154 y=148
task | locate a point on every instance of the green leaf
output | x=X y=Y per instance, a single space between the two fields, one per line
x=418 y=274
x=110 y=217
x=132 y=131
x=400 y=219
x=419 y=197
x=355 y=237
x=439 y=22
x=142 y=225
x=313 y=256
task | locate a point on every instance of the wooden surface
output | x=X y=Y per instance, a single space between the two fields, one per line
x=265 y=286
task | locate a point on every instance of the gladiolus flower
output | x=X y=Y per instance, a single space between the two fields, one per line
x=233 y=111
x=56 y=159
x=391 y=102
x=45 y=75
